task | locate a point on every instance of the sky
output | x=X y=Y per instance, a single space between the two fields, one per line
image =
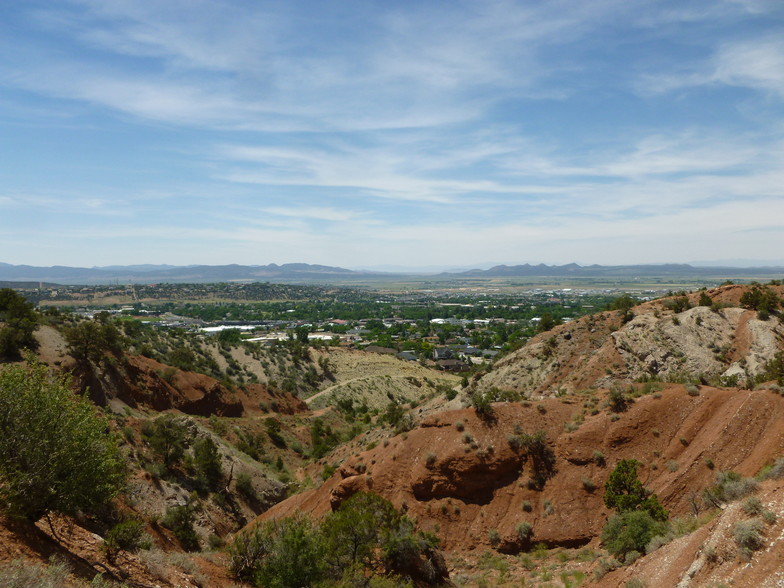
x=368 y=133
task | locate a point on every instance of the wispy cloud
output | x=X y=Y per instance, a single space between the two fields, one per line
x=756 y=64
x=305 y=129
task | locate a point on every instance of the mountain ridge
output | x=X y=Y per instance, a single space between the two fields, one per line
x=304 y=272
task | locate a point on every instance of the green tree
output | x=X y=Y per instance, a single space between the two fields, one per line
x=624 y=492
x=547 y=322
x=762 y=299
x=279 y=554
x=179 y=519
x=229 y=337
x=541 y=455
x=365 y=537
x=625 y=304
x=208 y=463
x=630 y=531
x=353 y=533
x=90 y=340
x=774 y=369
x=55 y=452
x=168 y=437
x=18 y=322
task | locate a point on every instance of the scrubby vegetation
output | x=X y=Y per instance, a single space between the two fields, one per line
x=365 y=537
x=218 y=472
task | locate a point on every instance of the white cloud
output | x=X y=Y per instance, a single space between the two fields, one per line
x=441 y=130
x=327 y=214
x=757 y=64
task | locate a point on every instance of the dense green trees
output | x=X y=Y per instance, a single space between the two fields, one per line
x=365 y=537
x=762 y=299
x=55 y=452
x=18 y=321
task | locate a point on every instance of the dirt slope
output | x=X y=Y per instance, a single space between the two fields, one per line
x=376 y=379
x=600 y=350
x=468 y=493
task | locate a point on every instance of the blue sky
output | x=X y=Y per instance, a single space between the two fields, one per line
x=372 y=133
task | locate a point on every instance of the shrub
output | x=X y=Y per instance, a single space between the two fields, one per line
x=179 y=519
x=729 y=486
x=776 y=470
x=482 y=403
x=774 y=369
x=244 y=486
x=617 y=400
x=26 y=574
x=679 y=303
x=762 y=299
x=752 y=506
x=541 y=455
x=525 y=530
x=127 y=535
x=657 y=542
x=630 y=531
x=748 y=537
x=278 y=553
x=365 y=536
x=588 y=485
x=55 y=453
x=493 y=537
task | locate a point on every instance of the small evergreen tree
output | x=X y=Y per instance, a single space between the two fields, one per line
x=55 y=452
x=18 y=322
x=624 y=492
x=208 y=463
x=167 y=437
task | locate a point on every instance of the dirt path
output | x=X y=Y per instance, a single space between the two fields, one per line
x=329 y=389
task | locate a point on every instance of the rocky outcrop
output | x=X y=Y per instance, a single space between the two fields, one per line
x=728 y=345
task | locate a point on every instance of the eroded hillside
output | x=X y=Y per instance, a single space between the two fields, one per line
x=513 y=490
x=661 y=340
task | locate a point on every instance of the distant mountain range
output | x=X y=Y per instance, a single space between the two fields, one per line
x=289 y=272
x=303 y=273
x=621 y=271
